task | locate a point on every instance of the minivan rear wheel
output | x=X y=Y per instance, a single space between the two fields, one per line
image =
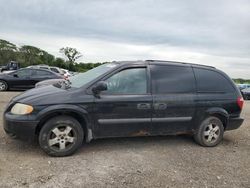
x=61 y=136
x=210 y=132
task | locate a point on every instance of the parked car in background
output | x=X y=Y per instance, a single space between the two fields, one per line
x=66 y=73
x=57 y=70
x=11 y=66
x=50 y=82
x=25 y=78
x=246 y=93
x=243 y=86
x=54 y=69
x=126 y=99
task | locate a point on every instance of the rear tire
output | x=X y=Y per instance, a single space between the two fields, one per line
x=210 y=132
x=3 y=85
x=61 y=136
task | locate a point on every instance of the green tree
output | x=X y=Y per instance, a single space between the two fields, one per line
x=31 y=54
x=59 y=62
x=47 y=58
x=8 y=51
x=71 y=53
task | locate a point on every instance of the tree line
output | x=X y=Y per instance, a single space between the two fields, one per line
x=241 y=81
x=28 y=55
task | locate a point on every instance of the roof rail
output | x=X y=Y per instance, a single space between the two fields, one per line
x=177 y=62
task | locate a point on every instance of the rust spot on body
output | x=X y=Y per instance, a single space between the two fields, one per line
x=141 y=133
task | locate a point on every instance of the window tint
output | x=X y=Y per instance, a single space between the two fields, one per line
x=129 y=81
x=44 y=67
x=172 y=79
x=54 y=70
x=23 y=73
x=42 y=73
x=211 y=81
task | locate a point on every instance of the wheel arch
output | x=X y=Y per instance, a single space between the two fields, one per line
x=74 y=111
x=7 y=84
x=220 y=113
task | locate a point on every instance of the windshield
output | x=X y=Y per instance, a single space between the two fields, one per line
x=83 y=78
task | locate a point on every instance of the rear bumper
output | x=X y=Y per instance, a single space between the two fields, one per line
x=234 y=123
x=22 y=127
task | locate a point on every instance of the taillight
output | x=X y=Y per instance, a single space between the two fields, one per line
x=240 y=102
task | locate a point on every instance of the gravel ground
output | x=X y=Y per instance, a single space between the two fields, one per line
x=170 y=161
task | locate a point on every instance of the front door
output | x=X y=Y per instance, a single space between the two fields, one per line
x=21 y=79
x=173 y=89
x=125 y=108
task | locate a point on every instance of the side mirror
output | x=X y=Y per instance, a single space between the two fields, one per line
x=100 y=86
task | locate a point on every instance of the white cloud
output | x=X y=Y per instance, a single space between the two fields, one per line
x=207 y=32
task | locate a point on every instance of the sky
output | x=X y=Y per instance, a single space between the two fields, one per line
x=215 y=32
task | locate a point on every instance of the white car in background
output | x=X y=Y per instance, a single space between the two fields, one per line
x=66 y=73
x=54 y=69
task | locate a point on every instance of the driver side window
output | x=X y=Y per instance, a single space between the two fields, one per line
x=23 y=73
x=128 y=81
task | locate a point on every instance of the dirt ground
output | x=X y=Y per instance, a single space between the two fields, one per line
x=171 y=161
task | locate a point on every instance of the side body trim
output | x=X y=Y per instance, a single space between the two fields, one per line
x=143 y=120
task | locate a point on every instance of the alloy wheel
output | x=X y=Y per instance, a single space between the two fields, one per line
x=211 y=133
x=3 y=86
x=61 y=137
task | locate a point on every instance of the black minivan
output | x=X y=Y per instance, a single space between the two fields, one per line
x=126 y=99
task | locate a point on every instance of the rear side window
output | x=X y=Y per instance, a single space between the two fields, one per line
x=211 y=81
x=54 y=70
x=23 y=73
x=172 y=79
x=42 y=73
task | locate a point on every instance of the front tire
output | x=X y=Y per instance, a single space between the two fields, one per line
x=61 y=136
x=3 y=86
x=210 y=132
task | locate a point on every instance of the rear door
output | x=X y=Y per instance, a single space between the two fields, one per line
x=40 y=75
x=125 y=108
x=173 y=89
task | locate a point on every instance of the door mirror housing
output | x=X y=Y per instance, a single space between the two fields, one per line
x=100 y=86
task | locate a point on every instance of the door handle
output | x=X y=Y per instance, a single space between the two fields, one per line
x=160 y=106
x=143 y=106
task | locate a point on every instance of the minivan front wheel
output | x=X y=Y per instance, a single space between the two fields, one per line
x=210 y=132
x=61 y=136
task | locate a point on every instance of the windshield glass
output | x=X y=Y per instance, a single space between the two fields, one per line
x=83 y=78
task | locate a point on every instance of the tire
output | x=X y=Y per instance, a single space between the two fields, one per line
x=210 y=132
x=3 y=85
x=61 y=136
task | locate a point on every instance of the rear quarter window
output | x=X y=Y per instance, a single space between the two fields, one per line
x=172 y=79
x=212 y=81
x=54 y=70
x=42 y=73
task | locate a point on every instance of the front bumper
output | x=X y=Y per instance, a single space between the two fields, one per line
x=234 y=123
x=20 y=126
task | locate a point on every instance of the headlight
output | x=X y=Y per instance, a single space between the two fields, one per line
x=21 y=109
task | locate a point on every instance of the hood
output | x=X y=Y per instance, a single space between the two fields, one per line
x=34 y=95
